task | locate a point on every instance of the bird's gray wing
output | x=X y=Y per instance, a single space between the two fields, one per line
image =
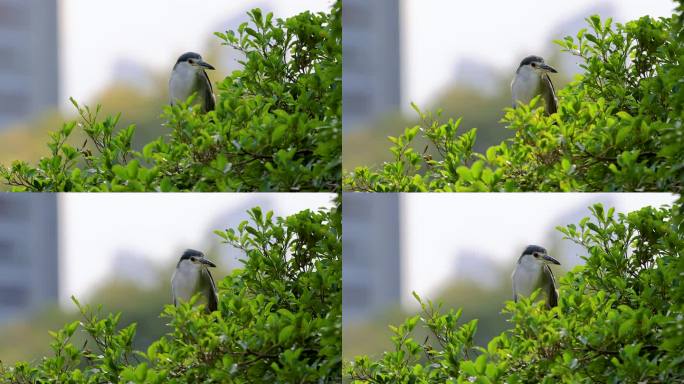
x=549 y=95
x=515 y=289
x=212 y=298
x=549 y=281
x=209 y=100
x=173 y=291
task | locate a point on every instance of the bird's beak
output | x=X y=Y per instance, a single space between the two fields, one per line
x=550 y=259
x=206 y=65
x=547 y=68
x=207 y=263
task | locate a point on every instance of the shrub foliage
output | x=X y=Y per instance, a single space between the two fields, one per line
x=279 y=319
x=276 y=127
x=618 y=127
x=619 y=318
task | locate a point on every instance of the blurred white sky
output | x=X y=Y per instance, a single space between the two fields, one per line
x=437 y=34
x=96 y=35
x=94 y=228
x=438 y=227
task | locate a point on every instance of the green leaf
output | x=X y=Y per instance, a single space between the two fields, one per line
x=481 y=364
x=285 y=334
x=623 y=133
x=278 y=133
x=626 y=327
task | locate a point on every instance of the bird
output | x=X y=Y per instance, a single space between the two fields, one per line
x=192 y=277
x=187 y=77
x=532 y=272
x=531 y=79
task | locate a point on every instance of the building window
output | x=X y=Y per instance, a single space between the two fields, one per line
x=14 y=104
x=12 y=209
x=356 y=15
x=7 y=251
x=356 y=297
x=13 y=296
x=11 y=59
x=357 y=105
x=15 y=16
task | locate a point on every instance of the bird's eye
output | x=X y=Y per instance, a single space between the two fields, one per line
x=536 y=254
x=193 y=259
x=534 y=65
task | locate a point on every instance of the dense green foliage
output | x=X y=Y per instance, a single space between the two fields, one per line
x=276 y=127
x=619 y=318
x=279 y=319
x=618 y=127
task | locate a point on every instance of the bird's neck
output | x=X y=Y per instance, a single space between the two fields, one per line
x=528 y=263
x=528 y=74
x=189 y=270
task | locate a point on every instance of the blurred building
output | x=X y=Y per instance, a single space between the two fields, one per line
x=29 y=267
x=371 y=268
x=371 y=65
x=134 y=268
x=477 y=75
x=478 y=268
x=29 y=66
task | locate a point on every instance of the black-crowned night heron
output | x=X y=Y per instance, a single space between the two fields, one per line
x=191 y=277
x=532 y=79
x=533 y=272
x=188 y=77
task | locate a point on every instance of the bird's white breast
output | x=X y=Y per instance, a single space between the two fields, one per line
x=182 y=83
x=525 y=86
x=527 y=276
x=185 y=281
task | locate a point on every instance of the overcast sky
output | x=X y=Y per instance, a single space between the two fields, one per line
x=438 y=34
x=95 y=228
x=97 y=35
x=437 y=227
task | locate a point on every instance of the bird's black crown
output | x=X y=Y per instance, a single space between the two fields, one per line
x=534 y=248
x=188 y=55
x=190 y=253
x=529 y=59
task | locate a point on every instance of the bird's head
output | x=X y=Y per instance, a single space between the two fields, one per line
x=192 y=60
x=194 y=258
x=536 y=64
x=537 y=254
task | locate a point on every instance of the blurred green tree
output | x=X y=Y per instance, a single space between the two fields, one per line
x=276 y=127
x=372 y=337
x=28 y=338
x=618 y=320
x=279 y=318
x=618 y=127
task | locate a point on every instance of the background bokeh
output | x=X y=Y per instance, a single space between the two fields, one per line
x=115 y=53
x=459 y=249
x=458 y=56
x=117 y=250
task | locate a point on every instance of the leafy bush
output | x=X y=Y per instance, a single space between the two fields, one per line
x=618 y=319
x=277 y=125
x=279 y=319
x=618 y=127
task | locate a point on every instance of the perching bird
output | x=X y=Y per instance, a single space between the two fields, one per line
x=531 y=79
x=188 y=77
x=533 y=272
x=191 y=277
